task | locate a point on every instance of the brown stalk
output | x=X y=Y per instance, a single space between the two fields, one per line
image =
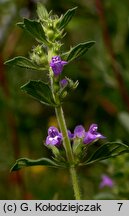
x=16 y=177
x=107 y=40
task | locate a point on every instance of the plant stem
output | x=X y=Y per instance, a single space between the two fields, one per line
x=75 y=183
x=69 y=153
x=66 y=141
x=63 y=128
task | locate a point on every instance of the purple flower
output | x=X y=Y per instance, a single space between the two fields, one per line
x=63 y=83
x=92 y=135
x=53 y=131
x=106 y=181
x=70 y=135
x=79 y=131
x=54 y=137
x=57 y=65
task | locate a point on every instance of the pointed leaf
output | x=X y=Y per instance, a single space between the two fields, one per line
x=25 y=162
x=21 y=25
x=110 y=149
x=24 y=62
x=66 y=18
x=35 y=29
x=41 y=11
x=78 y=51
x=40 y=91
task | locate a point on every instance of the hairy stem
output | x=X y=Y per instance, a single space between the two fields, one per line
x=69 y=153
x=75 y=183
x=66 y=141
x=63 y=128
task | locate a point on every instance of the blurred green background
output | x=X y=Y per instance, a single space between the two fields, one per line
x=102 y=97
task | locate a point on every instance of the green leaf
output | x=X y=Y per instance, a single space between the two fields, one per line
x=66 y=18
x=41 y=11
x=110 y=149
x=35 y=29
x=78 y=51
x=25 y=162
x=40 y=91
x=21 y=25
x=24 y=62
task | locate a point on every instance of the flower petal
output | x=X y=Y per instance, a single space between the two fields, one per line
x=79 y=131
x=57 y=65
x=106 y=181
x=53 y=131
x=92 y=135
x=70 y=135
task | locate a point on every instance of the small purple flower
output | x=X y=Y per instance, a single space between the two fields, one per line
x=79 y=131
x=57 y=65
x=70 y=135
x=106 y=181
x=92 y=135
x=63 y=83
x=53 y=131
x=54 y=137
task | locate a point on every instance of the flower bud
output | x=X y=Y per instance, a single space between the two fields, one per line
x=39 y=56
x=64 y=94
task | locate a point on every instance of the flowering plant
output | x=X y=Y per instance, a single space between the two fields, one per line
x=70 y=150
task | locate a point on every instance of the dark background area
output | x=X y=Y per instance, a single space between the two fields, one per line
x=101 y=97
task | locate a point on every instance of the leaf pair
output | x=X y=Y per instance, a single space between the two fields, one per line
x=110 y=149
x=35 y=29
x=63 y=20
x=81 y=48
x=69 y=56
x=39 y=90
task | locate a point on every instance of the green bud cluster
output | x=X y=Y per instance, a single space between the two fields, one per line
x=51 y=27
x=48 y=30
x=71 y=85
x=52 y=32
x=39 y=56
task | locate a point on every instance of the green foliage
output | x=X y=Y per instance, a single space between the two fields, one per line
x=35 y=29
x=78 y=51
x=66 y=18
x=108 y=150
x=25 y=162
x=24 y=63
x=40 y=91
x=42 y=12
x=66 y=90
x=98 y=98
x=78 y=149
